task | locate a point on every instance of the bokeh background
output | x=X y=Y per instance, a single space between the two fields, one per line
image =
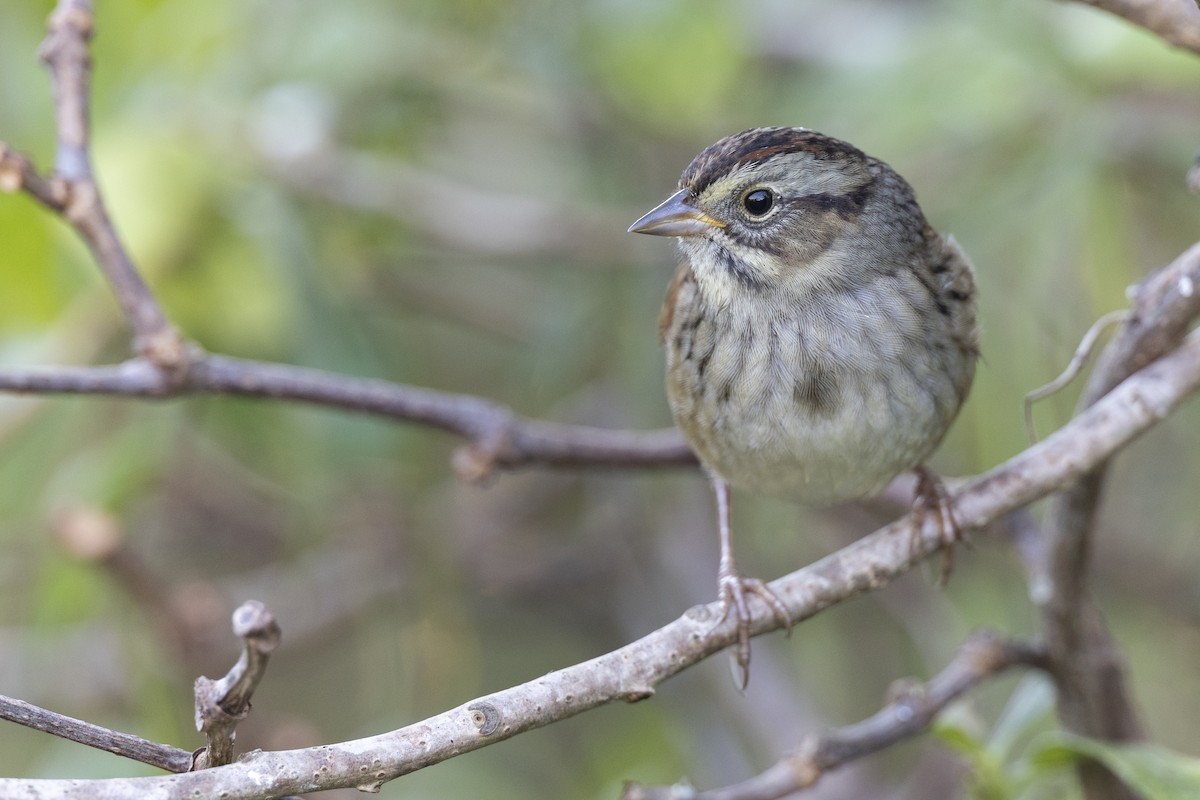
x=436 y=192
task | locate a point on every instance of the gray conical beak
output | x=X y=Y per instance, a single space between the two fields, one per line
x=675 y=217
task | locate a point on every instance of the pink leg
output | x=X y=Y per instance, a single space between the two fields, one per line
x=931 y=495
x=733 y=588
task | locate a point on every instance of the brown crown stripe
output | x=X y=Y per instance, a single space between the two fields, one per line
x=757 y=145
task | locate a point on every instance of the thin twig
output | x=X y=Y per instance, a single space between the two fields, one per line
x=1082 y=353
x=162 y=756
x=910 y=713
x=1177 y=22
x=17 y=173
x=73 y=190
x=632 y=672
x=222 y=704
x=498 y=438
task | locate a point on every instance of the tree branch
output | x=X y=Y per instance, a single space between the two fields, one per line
x=1175 y=21
x=18 y=173
x=498 y=438
x=1094 y=698
x=72 y=190
x=1164 y=306
x=162 y=756
x=910 y=713
x=632 y=672
x=222 y=704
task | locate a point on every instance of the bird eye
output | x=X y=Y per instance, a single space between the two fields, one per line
x=759 y=202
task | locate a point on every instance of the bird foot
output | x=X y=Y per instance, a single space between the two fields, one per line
x=734 y=593
x=929 y=498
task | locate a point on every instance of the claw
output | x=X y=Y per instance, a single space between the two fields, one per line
x=931 y=495
x=734 y=590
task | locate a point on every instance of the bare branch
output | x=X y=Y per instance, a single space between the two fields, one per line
x=1164 y=305
x=909 y=713
x=1177 y=22
x=162 y=756
x=17 y=173
x=632 y=672
x=222 y=704
x=498 y=438
x=73 y=190
x=1094 y=698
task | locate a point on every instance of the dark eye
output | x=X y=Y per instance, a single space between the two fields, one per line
x=759 y=202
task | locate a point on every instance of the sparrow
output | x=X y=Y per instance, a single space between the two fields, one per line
x=820 y=335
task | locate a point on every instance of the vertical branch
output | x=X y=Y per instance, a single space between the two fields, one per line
x=1094 y=696
x=65 y=53
x=222 y=704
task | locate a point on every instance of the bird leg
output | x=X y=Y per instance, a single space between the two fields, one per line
x=931 y=496
x=733 y=588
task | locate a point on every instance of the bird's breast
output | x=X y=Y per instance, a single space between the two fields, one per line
x=817 y=403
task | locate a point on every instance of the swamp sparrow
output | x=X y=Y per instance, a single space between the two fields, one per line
x=820 y=335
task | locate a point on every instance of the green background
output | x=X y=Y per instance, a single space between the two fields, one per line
x=436 y=193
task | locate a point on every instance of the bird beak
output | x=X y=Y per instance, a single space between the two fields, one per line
x=675 y=217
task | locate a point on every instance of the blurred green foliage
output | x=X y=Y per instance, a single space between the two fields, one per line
x=436 y=193
x=1018 y=760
